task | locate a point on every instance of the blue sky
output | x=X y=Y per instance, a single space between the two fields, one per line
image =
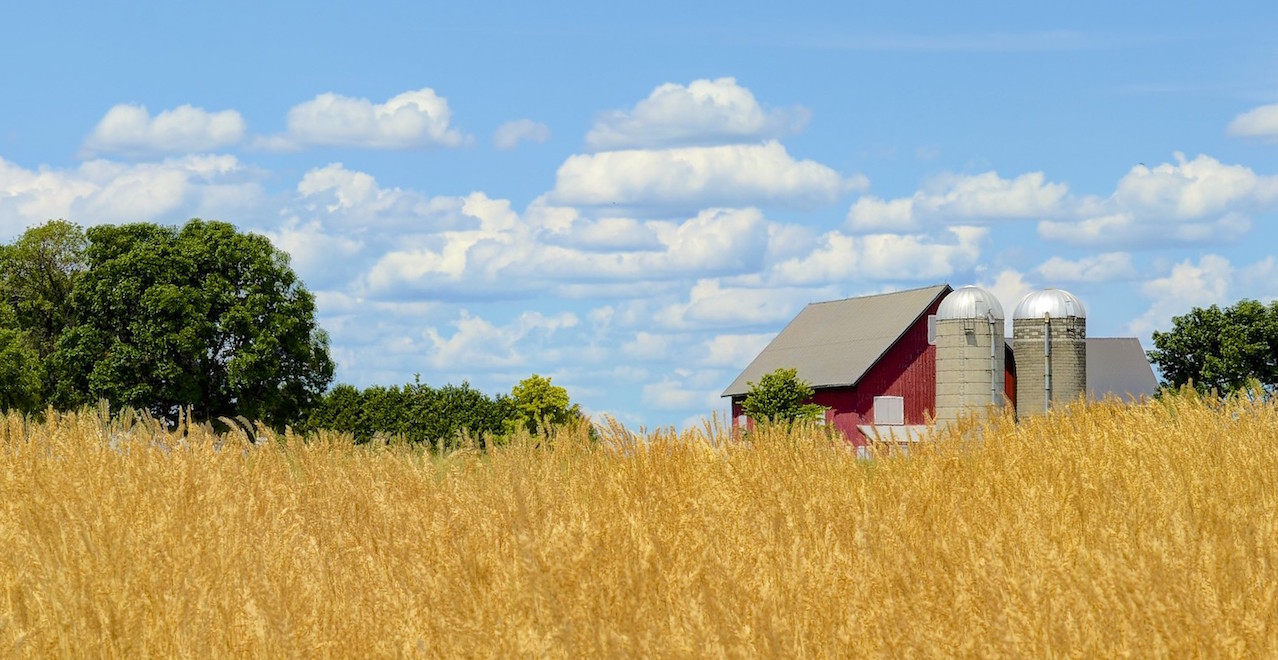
x=635 y=199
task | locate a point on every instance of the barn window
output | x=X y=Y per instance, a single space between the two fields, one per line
x=931 y=329
x=889 y=410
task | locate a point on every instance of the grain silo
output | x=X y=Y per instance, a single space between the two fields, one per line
x=969 y=353
x=1049 y=332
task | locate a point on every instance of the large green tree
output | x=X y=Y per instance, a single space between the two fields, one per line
x=1226 y=349
x=38 y=272
x=781 y=396
x=204 y=317
x=21 y=371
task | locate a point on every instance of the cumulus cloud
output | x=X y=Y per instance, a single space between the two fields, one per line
x=411 y=120
x=478 y=342
x=1189 y=201
x=511 y=133
x=1257 y=122
x=1140 y=231
x=1212 y=280
x=131 y=130
x=704 y=112
x=608 y=235
x=1096 y=268
x=1185 y=202
x=712 y=303
x=321 y=258
x=386 y=342
x=101 y=191
x=734 y=351
x=1188 y=285
x=648 y=346
x=676 y=393
x=697 y=177
x=1009 y=286
x=507 y=254
x=841 y=257
x=963 y=199
x=1192 y=189
x=356 y=202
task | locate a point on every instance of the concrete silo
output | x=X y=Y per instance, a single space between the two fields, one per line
x=969 y=353
x=1049 y=333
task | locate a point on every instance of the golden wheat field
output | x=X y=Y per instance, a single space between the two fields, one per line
x=1101 y=531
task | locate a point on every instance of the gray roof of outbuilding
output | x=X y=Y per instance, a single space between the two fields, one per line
x=1118 y=366
x=835 y=343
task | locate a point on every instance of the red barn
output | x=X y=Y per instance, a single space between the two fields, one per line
x=871 y=361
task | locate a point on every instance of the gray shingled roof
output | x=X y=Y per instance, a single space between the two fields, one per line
x=1118 y=366
x=834 y=343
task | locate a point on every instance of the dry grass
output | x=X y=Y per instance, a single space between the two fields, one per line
x=1104 y=531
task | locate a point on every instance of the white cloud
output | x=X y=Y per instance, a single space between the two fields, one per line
x=1185 y=202
x=698 y=177
x=963 y=199
x=673 y=394
x=841 y=258
x=1188 y=202
x=608 y=235
x=479 y=343
x=410 y=120
x=712 y=304
x=1009 y=286
x=131 y=130
x=102 y=191
x=1257 y=122
x=705 y=112
x=322 y=259
x=648 y=346
x=1194 y=189
x=1188 y=285
x=511 y=133
x=1260 y=279
x=1097 y=268
x=734 y=351
x=508 y=255
x=354 y=202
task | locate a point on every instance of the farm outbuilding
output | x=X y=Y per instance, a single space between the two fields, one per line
x=873 y=360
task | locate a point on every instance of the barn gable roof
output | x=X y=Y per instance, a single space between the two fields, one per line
x=1118 y=366
x=835 y=343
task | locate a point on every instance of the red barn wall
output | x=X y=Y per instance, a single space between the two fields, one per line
x=907 y=370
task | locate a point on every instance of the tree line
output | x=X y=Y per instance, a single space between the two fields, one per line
x=420 y=413
x=212 y=321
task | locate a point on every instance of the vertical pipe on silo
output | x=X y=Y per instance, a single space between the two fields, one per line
x=994 y=370
x=1047 y=362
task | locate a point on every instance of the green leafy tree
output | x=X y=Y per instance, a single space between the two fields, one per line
x=538 y=405
x=38 y=272
x=203 y=317
x=1226 y=349
x=416 y=412
x=341 y=410
x=781 y=396
x=20 y=368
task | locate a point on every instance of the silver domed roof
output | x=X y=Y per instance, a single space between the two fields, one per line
x=969 y=302
x=1058 y=303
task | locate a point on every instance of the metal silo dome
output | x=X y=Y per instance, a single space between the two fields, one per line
x=1058 y=303
x=969 y=302
x=970 y=353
